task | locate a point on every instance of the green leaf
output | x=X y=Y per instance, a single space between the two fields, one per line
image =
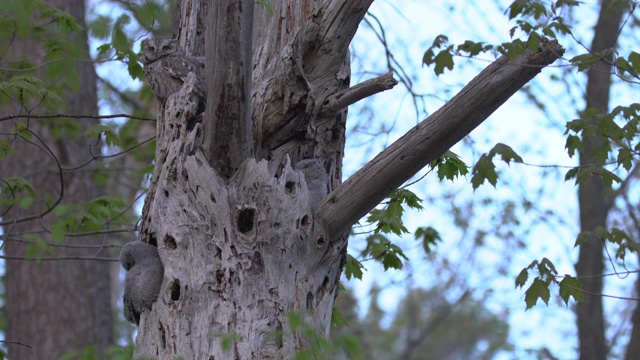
x=483 y=170
x=450 y=166
x=119 y=36
x=265 y=4
x=538 y=290
x=573 y=143
x=547 y=269
x=337 y=320
x=440 y=41
x=5 y=149
x=506 y=153
x=406 y=196
x=522 y=278
x=513 y=50
x=582 y=237
x=473 y=48
x=37 y=248
x=391 y=260
x=389 y=219
x=533 y=43
x=429 y=237
x=570 y=286
x=608 y=177
x=58 y=232
x=26 y=202
x=351 y=347
x=353 y=268
x=443 y=60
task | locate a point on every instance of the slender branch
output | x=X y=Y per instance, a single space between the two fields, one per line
x=44 y=148
x=431 y=138
x=343 y=99
x=60 y=258
x=74 y=116
x=622 y=189
x=16 y=343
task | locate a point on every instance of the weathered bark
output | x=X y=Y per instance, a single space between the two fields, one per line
x=242 y=252
x=228 y=132
x=593 y=198
x=55 y=306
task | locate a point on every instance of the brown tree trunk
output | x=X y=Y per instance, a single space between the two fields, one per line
x=241 y=253
x=594 y=202
x=55 y=306
x=633 y=347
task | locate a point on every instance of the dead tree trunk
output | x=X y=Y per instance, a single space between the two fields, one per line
x=241 y=252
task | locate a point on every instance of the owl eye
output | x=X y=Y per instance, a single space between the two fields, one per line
x=166 y=47
x=152 y=48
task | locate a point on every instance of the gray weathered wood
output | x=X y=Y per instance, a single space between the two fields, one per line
x=239 y=255
x=228 y=131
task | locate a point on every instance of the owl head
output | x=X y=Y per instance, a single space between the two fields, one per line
x=154 y=49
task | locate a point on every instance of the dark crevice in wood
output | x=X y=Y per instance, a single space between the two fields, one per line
x=245 y=220
x=170 y=242
x=175 y=290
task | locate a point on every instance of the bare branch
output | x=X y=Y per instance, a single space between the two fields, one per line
x=74 y=116
x=431 y=138
x=341 y=100
x=59 y=258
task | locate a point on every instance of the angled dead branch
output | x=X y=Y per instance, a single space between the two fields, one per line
x=431 y=138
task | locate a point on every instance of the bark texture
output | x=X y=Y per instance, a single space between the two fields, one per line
x=61 y=305
x=228 y=131
x=594 y=200
x=238 y=255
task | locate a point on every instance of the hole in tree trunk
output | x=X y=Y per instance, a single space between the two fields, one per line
x=163 y=341
x=152 y=240
x=170 y=242
x=175 y=290
x=245 y=220
x=320 y=241
x=309 y=301
x=305 y=221
x=290 y=187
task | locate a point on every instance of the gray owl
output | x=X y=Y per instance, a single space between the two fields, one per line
x=166 y=66
x=143 y=280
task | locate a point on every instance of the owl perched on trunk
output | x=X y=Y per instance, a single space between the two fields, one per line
x=166 y=66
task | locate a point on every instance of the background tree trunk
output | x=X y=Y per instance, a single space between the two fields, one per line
x=594 y=200
x=61 y=305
